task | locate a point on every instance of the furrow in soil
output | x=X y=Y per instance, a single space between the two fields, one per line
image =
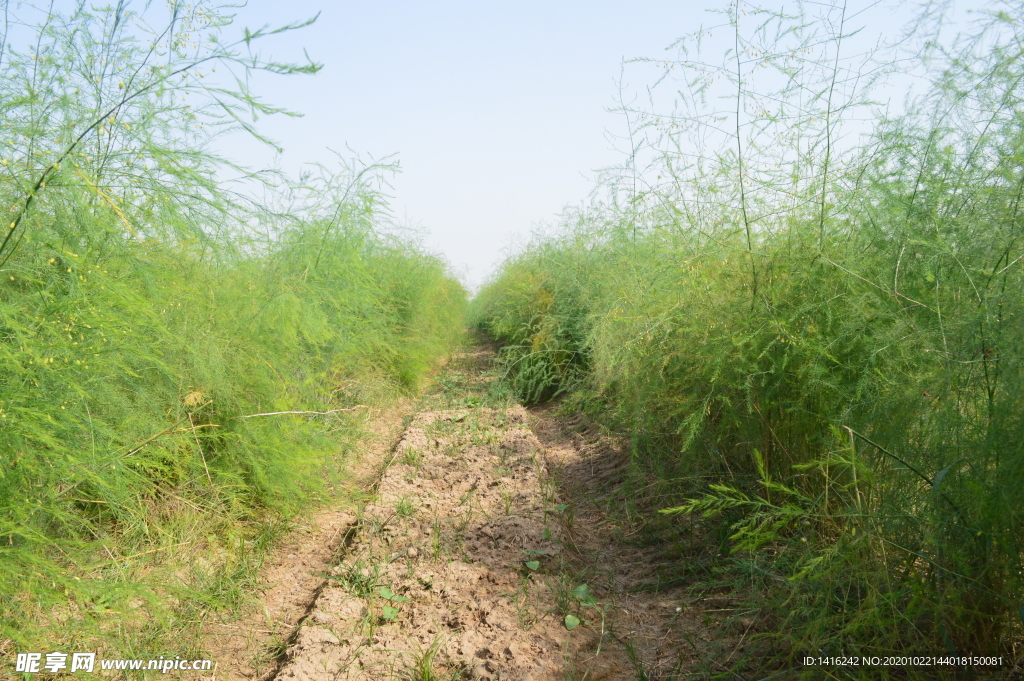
x=453 y=571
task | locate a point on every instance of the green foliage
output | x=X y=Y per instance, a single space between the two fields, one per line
x=536 y=313
x=176 y=366
x=830 y=334
x=390 y=612
x=762 y=520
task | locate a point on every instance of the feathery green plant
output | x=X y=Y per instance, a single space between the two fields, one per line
x=829 y=333
x=177 y=365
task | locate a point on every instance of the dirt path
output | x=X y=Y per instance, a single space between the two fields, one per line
x=249 y=647
x=485 y=553
x=656 y=628
x=447 y=572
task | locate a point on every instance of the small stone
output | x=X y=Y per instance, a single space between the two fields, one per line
x=413 y=552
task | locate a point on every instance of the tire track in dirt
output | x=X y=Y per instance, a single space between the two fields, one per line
x=451 y=572
x=655 y=628
x=248 y=647
x=467 y=563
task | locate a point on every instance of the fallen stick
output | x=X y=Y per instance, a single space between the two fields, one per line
x=320 y=413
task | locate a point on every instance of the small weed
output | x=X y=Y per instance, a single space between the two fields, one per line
x=467 y=515
x=526 y=614
x=405 y=507
x=357 y=577
x=567 y=515
x=390 y=611
x=412 y=456
x=424 y=665
x=639 y=669
x=436 y=539
x=482 y=438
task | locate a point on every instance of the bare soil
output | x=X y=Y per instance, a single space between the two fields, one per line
x=655 y=628
x=249 y=647
x=489 y=549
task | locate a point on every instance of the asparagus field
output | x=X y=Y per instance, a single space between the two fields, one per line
x=753 y=411
x=181 y=370
x=814 y=349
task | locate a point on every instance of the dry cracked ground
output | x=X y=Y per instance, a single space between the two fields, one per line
x=484 y=549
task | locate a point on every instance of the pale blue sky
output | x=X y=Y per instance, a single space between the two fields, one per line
x=498 y=111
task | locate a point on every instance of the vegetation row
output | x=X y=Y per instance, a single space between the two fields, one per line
x=182 y=370
x=813 y=336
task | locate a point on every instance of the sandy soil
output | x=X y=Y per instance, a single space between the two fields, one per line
x=484 y=553
x=249 y=647
x=454 y=568
x=653 y=632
